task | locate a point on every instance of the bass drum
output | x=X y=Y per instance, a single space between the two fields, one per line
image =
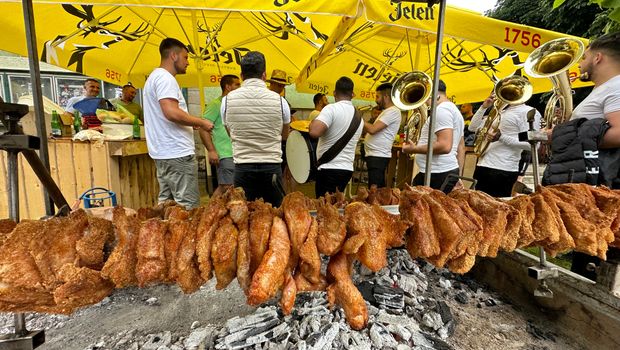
x=301 y=156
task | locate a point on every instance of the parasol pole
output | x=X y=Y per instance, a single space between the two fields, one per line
x=198 y=61
x=431 y=123
x=37 y=95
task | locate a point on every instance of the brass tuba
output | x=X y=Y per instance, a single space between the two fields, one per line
x=552 y=60
x=409 y=93
x=512 y=90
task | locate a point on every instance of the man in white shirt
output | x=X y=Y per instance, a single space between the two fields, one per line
x=168 y=127
x=380 y=136
x=258 y=120
x=91 y=90
x=498 y=168
x=331 y=124
x=448 y=148
x=601 y=65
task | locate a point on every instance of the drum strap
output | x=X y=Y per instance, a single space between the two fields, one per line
x=337 y=147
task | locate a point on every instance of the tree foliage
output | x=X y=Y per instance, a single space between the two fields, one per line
x=575 y=17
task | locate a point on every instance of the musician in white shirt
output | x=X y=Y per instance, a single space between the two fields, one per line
x=498 y=168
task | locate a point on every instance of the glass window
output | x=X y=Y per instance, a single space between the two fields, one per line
x=67 y=88
x=20 y=85
x=111 y=91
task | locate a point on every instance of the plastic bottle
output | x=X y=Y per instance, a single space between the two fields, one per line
x=136 y=128
x=56 y=128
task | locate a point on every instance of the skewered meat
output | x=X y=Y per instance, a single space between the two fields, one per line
x=310 y=260
x=54 y=246
x=303 y=285
x=90 y=248
x=120 y=267
x=332 y=228
x=224 y=253
x=367 y=239
x=152 y=266
x=177 y=229
x=298 y=221
x=269 y=276
x=188 y=274
x=209 y=223
x=344 y=293
x=289 y=292
x=80 y=286
x=239 y=213
x=261 y=218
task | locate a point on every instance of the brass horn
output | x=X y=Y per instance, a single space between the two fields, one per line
x=552 y=60
x=409 y=93
x=513 y=90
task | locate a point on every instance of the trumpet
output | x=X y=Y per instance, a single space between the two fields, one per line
x=509 y=91
x=409 y=93
x=552 y=60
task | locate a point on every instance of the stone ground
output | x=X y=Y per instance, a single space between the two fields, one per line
x=162 y=318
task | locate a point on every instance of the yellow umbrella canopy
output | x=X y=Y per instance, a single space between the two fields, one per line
x=392 y=38
x=119 y=44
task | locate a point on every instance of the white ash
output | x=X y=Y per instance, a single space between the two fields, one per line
x=412 y=312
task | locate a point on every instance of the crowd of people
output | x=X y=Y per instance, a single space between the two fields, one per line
x=244 y=131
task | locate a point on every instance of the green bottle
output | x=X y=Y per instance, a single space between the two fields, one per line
x=136 y=128
x=77 y=122
x=56 y=128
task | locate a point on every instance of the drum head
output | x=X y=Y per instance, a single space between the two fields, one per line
x=298 y=156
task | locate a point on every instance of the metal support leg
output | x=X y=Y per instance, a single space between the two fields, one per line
x=542 y=271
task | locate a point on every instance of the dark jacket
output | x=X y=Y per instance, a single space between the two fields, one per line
x=575 y=153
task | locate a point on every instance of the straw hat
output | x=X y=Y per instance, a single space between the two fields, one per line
x=278 y=76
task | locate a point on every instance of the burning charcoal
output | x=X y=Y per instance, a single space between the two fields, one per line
x=381 y=337
x=367 y=288
x=432 y=320
x=361 y=342
x=253 y=329
x=262 y=315
x=462 y=298
x=445 y=284
x=447 y=330
x=444 y=310
x=301 y=345
x=408 y=284
x=324 y=336
x=401 y=331
x=390 y=299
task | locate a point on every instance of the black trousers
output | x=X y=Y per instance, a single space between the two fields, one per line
x=260 y=180
x=524 y=162
x=376 y=170
x=437 y=179
x=328 y=180
x=494 y=182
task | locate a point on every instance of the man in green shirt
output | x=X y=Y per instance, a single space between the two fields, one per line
x=126 y=101
x=219 y=146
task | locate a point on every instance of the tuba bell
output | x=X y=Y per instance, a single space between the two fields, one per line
x=409 y=93
x=512 y=90
x=552 y=60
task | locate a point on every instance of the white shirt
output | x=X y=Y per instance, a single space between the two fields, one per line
x=505 y=153
x=73 y=100
x=603 y=99
x=337 y=116
x=165 y=139
x=286 y=111
x=380 y=144
x=448 y=117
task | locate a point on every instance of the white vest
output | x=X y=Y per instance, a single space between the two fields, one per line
x=254 y=118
